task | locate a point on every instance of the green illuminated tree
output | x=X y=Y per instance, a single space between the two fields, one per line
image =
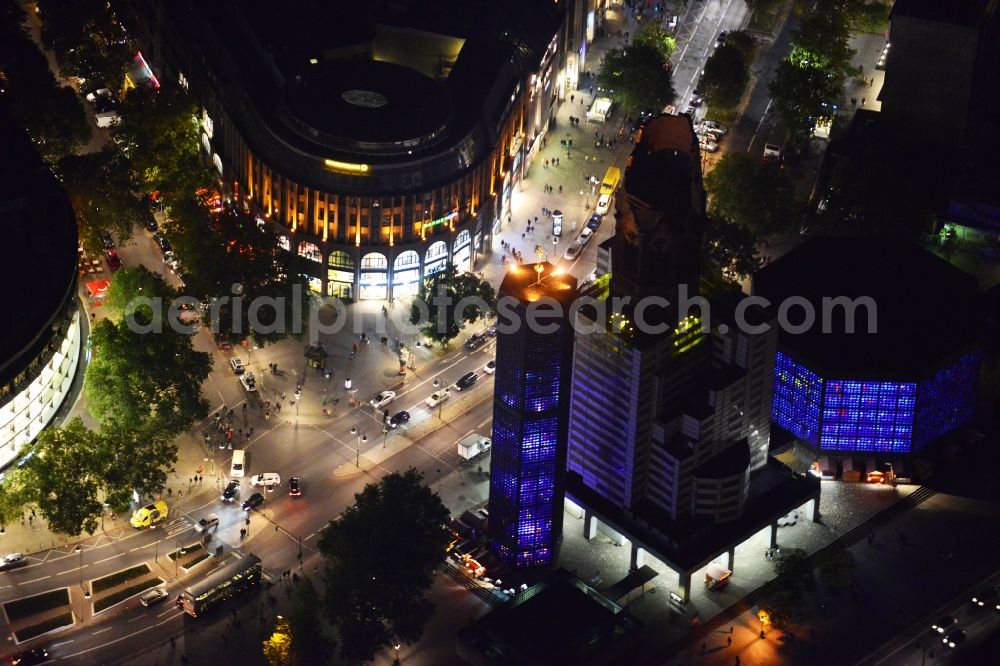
x=131 y=284
x=637 y=78
x=61 y=478
x=376 y=579
x=150 y=382
x=655 y=35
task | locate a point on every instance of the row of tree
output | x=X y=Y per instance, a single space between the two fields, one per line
x=638 y=77
x=727 y=73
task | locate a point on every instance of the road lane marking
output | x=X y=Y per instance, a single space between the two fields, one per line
x=71 y=570
x=108 y=558
x=63 y=643
x=101 y=631
x=35 y=580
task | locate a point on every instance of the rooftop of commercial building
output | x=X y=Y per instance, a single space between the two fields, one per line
x=559 y=620
x=660 y=166
x=39 y=242
x=924 y=309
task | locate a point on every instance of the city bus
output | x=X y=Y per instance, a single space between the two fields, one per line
x=222 y=584
x=611 y=180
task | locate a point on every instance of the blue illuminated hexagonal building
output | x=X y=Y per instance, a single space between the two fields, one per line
x=530 y=412
x=907 y=374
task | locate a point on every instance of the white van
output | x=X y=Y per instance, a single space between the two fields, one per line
x=239 y=459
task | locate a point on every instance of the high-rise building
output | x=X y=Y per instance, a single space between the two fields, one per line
x=670 y=404
x=531 y=394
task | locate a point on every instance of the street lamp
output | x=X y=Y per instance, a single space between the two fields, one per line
x=177 y=557
x=86 y=592
x=764 y=620
x=361 y=439
x=396 y=646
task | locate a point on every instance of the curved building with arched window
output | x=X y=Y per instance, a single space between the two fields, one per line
x=41 y=337
x=383 y=139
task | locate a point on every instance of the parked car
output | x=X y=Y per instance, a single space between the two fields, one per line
x=30 y=657
x=713 y=125
x=475 y=341
x=490 y=367
x=162 y=242
x=603 y=204
x=266 y=479
x=153 y=597
x=248 y=381
x=572 y=252
x=208 y=522
x=696 y=99
x=231 y=492
x=399 y=418
x=467 y=381
x=106 y=240
x=585 y=237
x=150 y=222
x=437 y=398
x=594 y=223
x=491 y=331
x=294 y=486
x=721 y=39
x=237 y=365
x=382 y=399
x=954 y=639
x=12 y=561
x=943 y=624
x=253 y=502
x=111 y=257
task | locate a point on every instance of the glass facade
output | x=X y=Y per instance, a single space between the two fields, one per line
x=873 y=416
x=530 y=420
x=798 y=394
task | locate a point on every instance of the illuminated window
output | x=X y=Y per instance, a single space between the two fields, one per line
x=798 y=393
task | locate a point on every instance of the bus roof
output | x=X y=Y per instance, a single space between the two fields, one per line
x=222 y=574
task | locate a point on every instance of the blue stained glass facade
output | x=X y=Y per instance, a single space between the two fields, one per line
x=798 y=397
x=528 y=457
x=868 y=416
x=873 y=416
x=947 y=400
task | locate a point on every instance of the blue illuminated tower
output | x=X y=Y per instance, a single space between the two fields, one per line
x=530 y=414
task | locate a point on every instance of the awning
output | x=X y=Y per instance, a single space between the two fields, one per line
x=98 y=288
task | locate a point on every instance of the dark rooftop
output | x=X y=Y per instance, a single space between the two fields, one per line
x=372 y=101
x=552 y=622
x=727 y=463
x=958 y=12
x=39 y=244
x=925 y=308
x=660 y=166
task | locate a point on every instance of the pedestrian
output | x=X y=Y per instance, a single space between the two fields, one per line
x=729 y=640
x=244 y=408
x=871 y=82
x=190 y=480
x=737 y=660
x=572 y=98
x=251 y=430
x=560 y=189
x=704 y=647
x=731 y=629
x=31 y=520
x=862 y=101
x=173 y=642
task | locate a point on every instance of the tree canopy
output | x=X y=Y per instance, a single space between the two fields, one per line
x=725 y=79
x=637 y=78
x=754 y=194
x=61 y=478
x=102 y=192
x=439 y=298
x=226 y=253
x=278 y=646
x=129 y=290
x=87 y=40
x=147 y=381
x=380 y=557
x=732 y=247
x=51 y=113
x=654 y=34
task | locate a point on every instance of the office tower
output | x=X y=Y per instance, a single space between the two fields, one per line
x=531 y=394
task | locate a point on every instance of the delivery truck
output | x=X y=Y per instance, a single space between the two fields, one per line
x=473 y=445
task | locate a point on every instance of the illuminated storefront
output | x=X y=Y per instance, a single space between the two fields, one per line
x=374 y=277
x=406 y=274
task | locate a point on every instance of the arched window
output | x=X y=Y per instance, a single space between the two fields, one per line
x=408 y=259
x=373 y=261
x=310 y=251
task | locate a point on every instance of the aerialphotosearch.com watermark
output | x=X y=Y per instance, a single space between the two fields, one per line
x=651 y=315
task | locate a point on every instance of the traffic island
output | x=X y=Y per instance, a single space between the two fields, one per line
x=99 y=585
x=190 y=556
x=38 y=614
x=116 y=598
